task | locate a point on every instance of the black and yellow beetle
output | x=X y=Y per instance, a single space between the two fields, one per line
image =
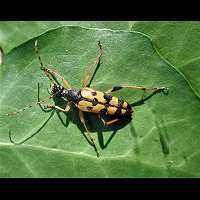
x=87 y=99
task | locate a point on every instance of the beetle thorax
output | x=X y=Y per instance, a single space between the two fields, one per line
x=73 y=95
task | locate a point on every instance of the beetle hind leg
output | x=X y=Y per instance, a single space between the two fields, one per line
x=109 y=122
x=116 y=88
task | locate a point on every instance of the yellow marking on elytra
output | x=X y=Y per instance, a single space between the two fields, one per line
x=82 y=105
x=97 y=108
x=125 y=104
x=111 y=110
x=100 y=97
x=114 y=101
x=123 y=111
x=87 y=93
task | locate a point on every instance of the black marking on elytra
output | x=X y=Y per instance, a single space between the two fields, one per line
x=95 y=102
x=93 y=93
x=107 y=97
x=106 y=105
x=129 y=107
x=120 y=102
x=128 y=112
x=118 y=111
x=89 y=108
x=116 y=88
x=104 y=111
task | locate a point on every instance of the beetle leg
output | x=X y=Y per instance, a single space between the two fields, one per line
x=110 y=122
x=116 y=88
x=113 y=121
x=67 y=108
x=49 y=72
x=93 y=68
x=66 y=83
x=91 y=139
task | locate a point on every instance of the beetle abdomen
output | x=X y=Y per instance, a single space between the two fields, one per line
x=102 y=103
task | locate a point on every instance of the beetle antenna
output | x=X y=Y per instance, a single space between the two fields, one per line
x=30 y=136
x=42 y=67
x=38 y=55
x=29 y=106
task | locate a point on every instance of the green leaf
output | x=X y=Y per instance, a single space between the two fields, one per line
x=13 y=33
x=179 y=44
x=162 y=140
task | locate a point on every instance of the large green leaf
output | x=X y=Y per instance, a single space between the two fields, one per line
x=179 y=44
x=162 y=140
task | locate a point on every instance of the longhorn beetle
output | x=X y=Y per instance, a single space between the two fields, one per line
x=87 y=99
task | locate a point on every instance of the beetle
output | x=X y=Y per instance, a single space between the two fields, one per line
x=86 y=99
